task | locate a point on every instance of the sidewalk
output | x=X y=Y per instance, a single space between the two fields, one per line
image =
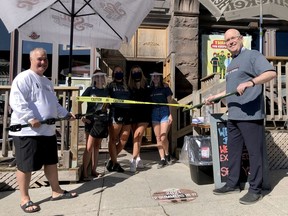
x=127 y=194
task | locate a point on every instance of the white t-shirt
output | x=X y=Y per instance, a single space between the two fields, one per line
x=33 y=96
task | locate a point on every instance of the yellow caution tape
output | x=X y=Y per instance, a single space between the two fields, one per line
x=114 y=100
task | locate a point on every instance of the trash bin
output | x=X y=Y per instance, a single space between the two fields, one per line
x=200 y=159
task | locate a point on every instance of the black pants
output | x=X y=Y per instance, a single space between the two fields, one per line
x=252 y=134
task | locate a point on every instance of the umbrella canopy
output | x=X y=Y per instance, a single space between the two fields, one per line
x=240 y=9
x=96 y=23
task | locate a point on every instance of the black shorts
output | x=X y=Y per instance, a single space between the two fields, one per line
x=32 y=152
x=140 y=116
x=120 y=116
x=88 y=127
x=100 y=127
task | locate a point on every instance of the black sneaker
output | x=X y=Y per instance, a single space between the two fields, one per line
x=168 y=159
x=250 y=198
x=226 y=190
x=109 y=166
x=162 y=164
x=118 y=168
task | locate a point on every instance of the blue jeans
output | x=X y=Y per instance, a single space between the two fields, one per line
x=160 y=114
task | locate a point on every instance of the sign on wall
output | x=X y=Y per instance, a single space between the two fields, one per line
x=215 y=56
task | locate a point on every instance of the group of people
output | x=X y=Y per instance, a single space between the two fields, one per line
x=124 y=119
x=33 y=100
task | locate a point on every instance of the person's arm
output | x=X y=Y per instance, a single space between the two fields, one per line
x=208 y=101
x=261 y=79
x=19 y=99
x=169 y=99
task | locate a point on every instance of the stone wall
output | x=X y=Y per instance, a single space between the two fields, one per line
x=183 y=41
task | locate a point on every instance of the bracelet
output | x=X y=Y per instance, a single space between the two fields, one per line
x=252 y=82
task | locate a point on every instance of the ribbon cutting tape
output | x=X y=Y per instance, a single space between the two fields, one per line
x=114 y=100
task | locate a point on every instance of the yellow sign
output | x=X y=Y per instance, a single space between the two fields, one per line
x=215 y=56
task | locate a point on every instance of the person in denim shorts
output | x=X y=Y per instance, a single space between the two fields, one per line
x=119 y=118
x=161 y=116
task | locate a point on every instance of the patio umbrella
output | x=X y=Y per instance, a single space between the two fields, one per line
x=91 y=23
x=240 y=9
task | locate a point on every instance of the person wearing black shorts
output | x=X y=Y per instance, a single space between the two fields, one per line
x=32 y=99
x=119 y=118
x=96 y=124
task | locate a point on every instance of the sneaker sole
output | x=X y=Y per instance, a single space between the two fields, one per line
x=250 y=203
x=229 y=192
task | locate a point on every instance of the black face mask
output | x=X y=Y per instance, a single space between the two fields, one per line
x=136 y=76
x=118 y=76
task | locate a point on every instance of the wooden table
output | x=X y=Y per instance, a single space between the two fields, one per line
x=201 y=129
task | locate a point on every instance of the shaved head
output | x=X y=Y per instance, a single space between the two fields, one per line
x=233 y=40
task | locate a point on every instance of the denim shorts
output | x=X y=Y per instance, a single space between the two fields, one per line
x=160 y=114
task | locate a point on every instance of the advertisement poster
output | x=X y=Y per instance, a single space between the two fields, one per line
x=215 y=56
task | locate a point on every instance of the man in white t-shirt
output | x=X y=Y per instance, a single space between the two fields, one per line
x=32 y=99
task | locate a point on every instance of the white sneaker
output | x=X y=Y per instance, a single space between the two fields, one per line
x=139 y=163
x=132 y=165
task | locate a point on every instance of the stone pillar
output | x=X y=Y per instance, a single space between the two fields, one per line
x=183 y=42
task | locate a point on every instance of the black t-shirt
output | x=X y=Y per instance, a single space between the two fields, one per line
x=142 y=94
x=119 y=91
x=160 y=94
x=96 y=92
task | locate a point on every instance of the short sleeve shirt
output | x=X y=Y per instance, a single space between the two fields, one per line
x=247 y=65
x=160 y=94
x=119 y=91
x=93 y=91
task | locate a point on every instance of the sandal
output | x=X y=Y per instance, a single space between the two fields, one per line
x=30 y=204
x=97 y=175
x=65 y=195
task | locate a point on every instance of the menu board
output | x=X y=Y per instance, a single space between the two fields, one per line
x=223 y=154
x=219 y=141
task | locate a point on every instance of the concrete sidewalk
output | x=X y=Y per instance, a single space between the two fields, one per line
x=125 y=194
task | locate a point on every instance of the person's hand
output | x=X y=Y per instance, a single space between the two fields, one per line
x=70 y=117
x=34 y=123
x=85 y=120
x=243 y=86
x=208 y=100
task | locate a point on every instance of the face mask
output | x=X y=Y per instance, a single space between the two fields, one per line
x=136 y=76
x=118 y=76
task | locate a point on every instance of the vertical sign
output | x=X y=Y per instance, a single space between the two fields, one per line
x=223 y=155
x=223 y=150
x=220 y=150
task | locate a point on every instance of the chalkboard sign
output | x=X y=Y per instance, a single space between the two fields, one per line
x=223 y=154
x=219 y=138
